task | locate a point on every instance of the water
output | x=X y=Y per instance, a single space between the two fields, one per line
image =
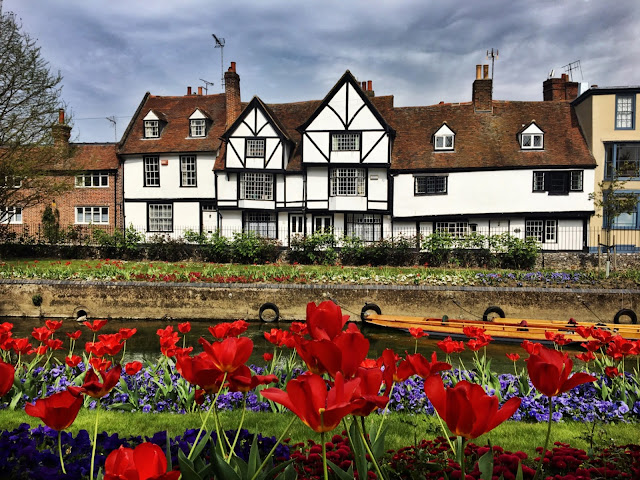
x=144 y=345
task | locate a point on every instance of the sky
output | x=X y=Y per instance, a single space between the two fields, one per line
x=420 y=51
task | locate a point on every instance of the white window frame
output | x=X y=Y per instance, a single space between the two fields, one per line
x=188 y=171
x=456 y=229
x=92 y=215
x=151 y=128
x=92 y=180
x=151 y=171
x=532 y=138
x=348 y=182
x=444 y=142
x=256 y=147
x=11 y=215
x=544 y=231
x=430 y=185
x=538 y=182
x=256 y=186
x=261 y=223
x=625 y=110
x=197 y=127
x=576 y=183
x=366 y=226
x=345 y=142
x=296 y=224
x=160 y=217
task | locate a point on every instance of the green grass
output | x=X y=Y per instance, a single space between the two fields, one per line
x=403 y=429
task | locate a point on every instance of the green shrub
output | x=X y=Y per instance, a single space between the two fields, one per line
x=51 y=225
x=249 y=247
x=318 y=248
x=169 y=249
x=211 y=248
x=437 y=248
x=353 y=251
x=515 y=252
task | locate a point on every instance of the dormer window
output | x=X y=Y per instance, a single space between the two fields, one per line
x=345 y=142
x=443 y=139
x=532 y=138
x=255 y=147
x=152 y=125
x=198 y=124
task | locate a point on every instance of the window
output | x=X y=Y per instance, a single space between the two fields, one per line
x=444 y=142
x=160 y=217
x=430 y=185
x=11 y=215
x=558 y=182
x=456 y=229
x=545 y=231
x=187 y=171
x=345 y=142
x=92 y=215
x=296 y=223
x=197 y=127
x=367 y=227
x=151 y=171
x=11 y=182
x=531 y=141
x=622 y=159
x=255 y=147
x=151 y=129
x=348 y=182
x=625 y=106
x=256 y=186
x=261 y=223
x=92 y=179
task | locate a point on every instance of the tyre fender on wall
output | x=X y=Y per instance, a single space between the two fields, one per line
x=269 y=312
x=369 y=307
x=626 y=312
x=490 y=310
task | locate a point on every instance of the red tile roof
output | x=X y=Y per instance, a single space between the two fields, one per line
x=94 y=156
x=174 y=137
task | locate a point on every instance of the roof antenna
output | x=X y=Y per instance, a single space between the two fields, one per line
x=492 y=55
x=112 y=119
x=220 y=45
x=570 y=67
x=206 y=85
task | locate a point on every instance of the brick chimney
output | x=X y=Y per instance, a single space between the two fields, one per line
x=232 y=93
x=482 y=90
x=61 y=132
x=559 y=89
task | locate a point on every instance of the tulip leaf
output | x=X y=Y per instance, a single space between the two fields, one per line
x=485 y=464
x=254 y=458
x=186 y=467
x=519 y=475
x=222 y=469
x=341 y=474
x=359 y=453
x=168 y=451
x=201 y=444
x=377 y=446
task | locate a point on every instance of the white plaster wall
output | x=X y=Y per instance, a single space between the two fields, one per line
x=135 y=213
x=377 y=189
x=133 y=174
x=348 y=203
x=404 y=228
x=295 y=186
x=311 y=153
x=227 y=186
x=186 y=215
x=231 y=222
x=317 y=183
x=487 y=192
x=345 y=157
x=235 y=153
x=379 y=153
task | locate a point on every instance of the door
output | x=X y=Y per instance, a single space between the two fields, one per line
x=209 y=219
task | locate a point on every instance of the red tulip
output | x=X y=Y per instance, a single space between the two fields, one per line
x=531 y=348
x=54 y=344
x=225 y=330
x=127 y=333
x=267 y=356
x=95 y=348
x=298 y=328
x=184 y=327
x=72 y=361
x=549 y=372
x=423 y=368
x=41 y=334
x=100 y=364
x=394 y=373
x=476 y=344
x=473 y=332
x=57 y=411
x=584 y=332
x=308 y=398
x=200 y=370
x=368 y=392
x=42 y=349
x=74 y=335
x=586 y=357
x=620 y=348
x=612 y=372
x=418 y=333
x=132 y=368
x=466 y=408
x=93 y=387
x=95 y=325
x=449 y=346
x=111 y=343
x=21 y=345
x=557 y=338
x=325 y=321
x=168 y=340
x=230 y=353
x=592 y=345
x=603 y=335
x=280 y=338
x=7 y=373
x=514 y=357
x=53 y=325
x=146 y=462
x=241 y=380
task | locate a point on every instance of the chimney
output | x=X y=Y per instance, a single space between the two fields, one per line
x=559 y=89
x=188 y=90
x=482 y=90
x=61 y=132
x=232 y=93
x=199 y=90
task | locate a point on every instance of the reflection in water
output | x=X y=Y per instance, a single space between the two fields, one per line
x=144 y=345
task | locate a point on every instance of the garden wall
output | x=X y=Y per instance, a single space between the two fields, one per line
x=140 y=300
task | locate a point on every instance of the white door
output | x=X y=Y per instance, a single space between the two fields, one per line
x=322 y=224
x=296 y=225
x=209 y=219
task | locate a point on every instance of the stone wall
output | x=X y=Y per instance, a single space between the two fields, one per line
x=586 y=261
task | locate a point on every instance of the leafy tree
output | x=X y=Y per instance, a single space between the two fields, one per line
x=30 y=101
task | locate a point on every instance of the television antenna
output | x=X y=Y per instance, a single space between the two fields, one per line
x=570 y=67
x=112 y=119
x=220 y=44
x=206 y=85
x=492 y=55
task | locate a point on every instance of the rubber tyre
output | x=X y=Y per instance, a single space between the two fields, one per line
x=269 y=312
x=369 y=307
x=490 y=310
x=626 y=312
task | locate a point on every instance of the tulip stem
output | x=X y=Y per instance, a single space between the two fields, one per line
x=365 y=440
x=206 y=417
x=235 y=440
x=444 y=430
x=324 y=456
x=386 y=410
x=546 y=441
x=60 y=451
x=95 y=439
x=273 y=449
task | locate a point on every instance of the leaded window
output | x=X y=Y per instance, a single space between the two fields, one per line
x=366 y=226
x=187 y=170
x=261 y=223
x=341 y=142
x=197 y=127
x=255 y=147
x=151 y=129
x=430 y=185
x=544 y=231
x=456 y=229
x=160 y=217
x=11 y=215
x=348 y=182
x=256 y=186
x=151 y=171
x=624 y=112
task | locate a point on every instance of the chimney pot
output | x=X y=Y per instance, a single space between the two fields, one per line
x=369 y=85
x=478 y=72
x=364 y=86
x=232 y=68
x=565 y=77
x=61 y=116
x=188 y=90
x=486 y=71
x=199 y=90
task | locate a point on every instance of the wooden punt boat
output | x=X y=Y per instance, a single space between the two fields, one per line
x=501 y=329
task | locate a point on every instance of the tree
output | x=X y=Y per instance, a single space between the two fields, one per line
x=612 y=202
x=33 y=143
